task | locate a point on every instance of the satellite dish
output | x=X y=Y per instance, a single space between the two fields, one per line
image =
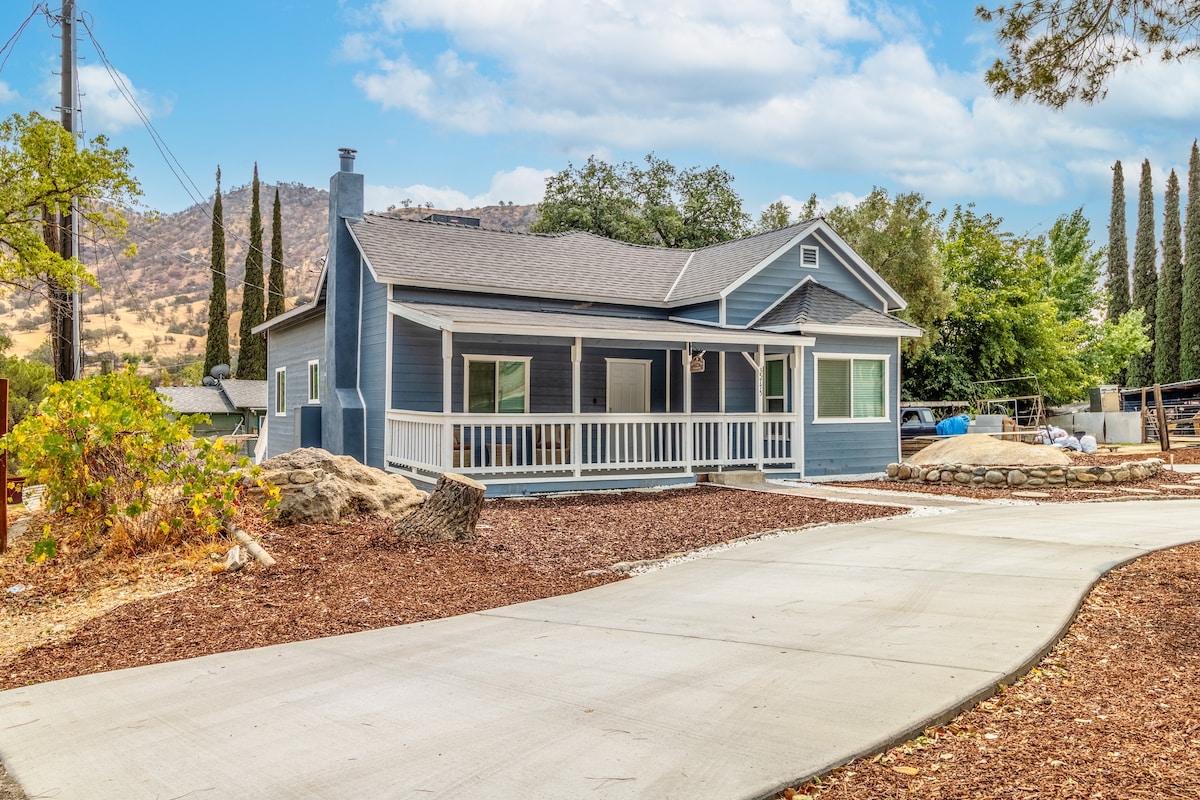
x=221 y=371
x=209 y=381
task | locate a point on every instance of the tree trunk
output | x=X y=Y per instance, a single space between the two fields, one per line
x=449 y=514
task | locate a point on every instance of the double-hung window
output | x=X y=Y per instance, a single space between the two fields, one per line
x=852 y=388
x=281 y=392
x=496 y=385
x=314 y=381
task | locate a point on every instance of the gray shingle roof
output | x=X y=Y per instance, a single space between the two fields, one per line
x=246 y=394
x=196 y=400
x=814 y=304
x=576 y=265
x=717 y=266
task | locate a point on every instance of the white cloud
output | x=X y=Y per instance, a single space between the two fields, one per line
x=818 y=84
x=522 y=185
x=7 y=93
x=106 y=108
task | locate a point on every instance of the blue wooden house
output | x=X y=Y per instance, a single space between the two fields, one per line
x=546 y=362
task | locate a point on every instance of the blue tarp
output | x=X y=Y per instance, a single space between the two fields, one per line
x=953 y=426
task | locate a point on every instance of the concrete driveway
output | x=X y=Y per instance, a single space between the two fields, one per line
x=725 y=677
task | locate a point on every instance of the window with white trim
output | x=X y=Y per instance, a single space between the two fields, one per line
x=775 y=384
x=810 y=256
x=281 y=392
x=496 y=384
x=851 y=388
x=314 y=381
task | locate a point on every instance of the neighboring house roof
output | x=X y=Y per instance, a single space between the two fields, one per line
x=246 y=394
x=227 y=397
x=813 y=307
x=197 y=400
x=473 y=319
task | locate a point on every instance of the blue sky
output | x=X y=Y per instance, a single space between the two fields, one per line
x=467 y=102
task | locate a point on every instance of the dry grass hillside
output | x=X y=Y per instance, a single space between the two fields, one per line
x=152 y=307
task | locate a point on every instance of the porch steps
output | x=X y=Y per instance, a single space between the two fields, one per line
x=736 y=477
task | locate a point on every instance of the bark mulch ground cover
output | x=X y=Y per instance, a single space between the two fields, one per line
x=1113 y=711
x=333 y=579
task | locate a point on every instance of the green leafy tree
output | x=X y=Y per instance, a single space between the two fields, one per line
x=216 y=347
x=1064 y=50
x=653 y=205
x=44 y=176
x=900 y=239
x=252 y=350
x=1169 y=304
x=1004 y=323
x=275 y=287
x=1189 y=326
x=27 y=382
x=1068 y=265
x=1118 y=249
x=775 y=216
x=114 y=459
x=1145 y=277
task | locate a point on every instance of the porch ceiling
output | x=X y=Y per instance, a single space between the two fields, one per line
x=470 y=319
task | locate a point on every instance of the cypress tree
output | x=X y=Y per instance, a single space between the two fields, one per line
x=1170 y=291
x=1189 y=326
x=1145 y=277
x=1118 y=249
x=252 y=350
x=216 y=347
x=275 y=293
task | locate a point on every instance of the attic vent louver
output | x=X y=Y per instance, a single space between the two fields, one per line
x=809 y=256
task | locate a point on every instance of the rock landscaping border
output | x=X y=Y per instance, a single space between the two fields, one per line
x=999 y=477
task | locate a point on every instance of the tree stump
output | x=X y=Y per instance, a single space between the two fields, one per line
x=449 y=514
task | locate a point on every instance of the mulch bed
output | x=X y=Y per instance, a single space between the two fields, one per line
x=334 y=579
x=1112 y=712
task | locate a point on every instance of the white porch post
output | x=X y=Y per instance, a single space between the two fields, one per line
x=447 y=460
x=723 y=425
x=689 y=428
x=576 y=406
x=798 y=409
x=759 y=429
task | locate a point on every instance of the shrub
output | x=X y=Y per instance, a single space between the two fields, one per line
x=116 y=463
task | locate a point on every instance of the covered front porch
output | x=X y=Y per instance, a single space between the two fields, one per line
x=531 y=397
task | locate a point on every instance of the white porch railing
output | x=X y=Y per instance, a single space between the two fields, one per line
x=517 y=445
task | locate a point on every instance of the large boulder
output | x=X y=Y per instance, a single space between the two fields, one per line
x=317 y=486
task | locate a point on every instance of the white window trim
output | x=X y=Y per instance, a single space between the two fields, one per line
x=314 y=386
x=281 y=391
x=816 y=251
x=469 y=357
x=887 y=389
x=785 y=358
x=608 y=362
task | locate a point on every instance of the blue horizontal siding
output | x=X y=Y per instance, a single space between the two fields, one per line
x=778 y=279
x=292 y=347
x=373 y=368
x=850 y=448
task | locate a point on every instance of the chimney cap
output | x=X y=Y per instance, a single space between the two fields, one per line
x=346 y=158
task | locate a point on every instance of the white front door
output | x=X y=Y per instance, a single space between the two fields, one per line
x=628 y=393
x=628 y=386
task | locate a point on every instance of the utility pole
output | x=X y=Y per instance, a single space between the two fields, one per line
x=64 y=304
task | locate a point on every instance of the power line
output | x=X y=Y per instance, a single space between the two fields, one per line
x=11 y=44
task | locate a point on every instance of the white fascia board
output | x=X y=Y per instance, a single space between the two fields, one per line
x=283 y=319
x=688 y=321
x=422 y=318
x=861 y=269
x=847 y=330
x=766 y=262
